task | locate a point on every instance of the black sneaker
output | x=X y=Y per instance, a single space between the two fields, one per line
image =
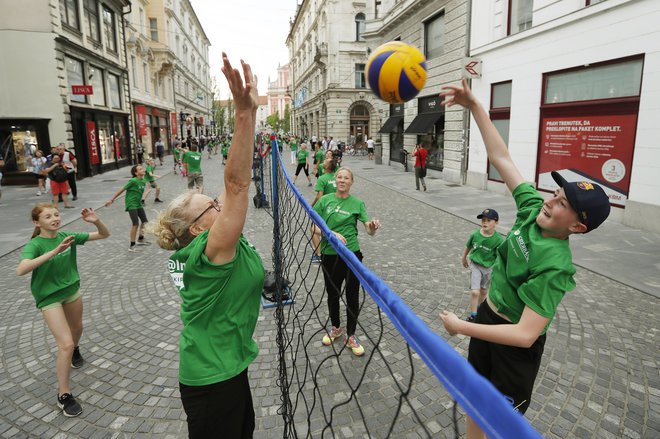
x=158 y=200
x=470 y=319
x=143 y=203
x=77 y=359
x=69 y=405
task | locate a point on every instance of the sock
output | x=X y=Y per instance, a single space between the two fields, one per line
x=132 y=243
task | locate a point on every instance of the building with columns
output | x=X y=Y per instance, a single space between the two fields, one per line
x=278 y=92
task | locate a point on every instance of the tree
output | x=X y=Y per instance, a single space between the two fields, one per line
x=274 y=121
x=230 y=115
x=219 y=116
x=286 y=121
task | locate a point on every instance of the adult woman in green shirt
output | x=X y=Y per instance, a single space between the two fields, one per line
x=341 y=211
x=51 y=257
x=220 y=278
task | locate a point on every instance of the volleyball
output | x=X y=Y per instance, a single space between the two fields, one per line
x=396 y=72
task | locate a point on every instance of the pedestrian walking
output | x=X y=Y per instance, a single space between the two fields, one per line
x=139 y=151
x=160 y=151
x=133 y=204
x=533 y=271
x=70 y=163
x=51 y=258
x=420 y=153
x=341 y=211
x=220 y=277
x=38 y=168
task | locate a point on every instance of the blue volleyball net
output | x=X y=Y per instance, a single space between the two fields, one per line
x=409 y=378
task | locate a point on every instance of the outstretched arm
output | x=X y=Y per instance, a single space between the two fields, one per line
x=114 y=197
x=497 y=151
x=102 y=232
x=227 y=228
x=27 y=265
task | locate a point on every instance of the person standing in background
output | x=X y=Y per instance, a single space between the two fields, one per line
x=420 y=154
x=70 y=163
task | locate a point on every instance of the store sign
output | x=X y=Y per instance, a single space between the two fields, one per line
x=592 y=148
x=173 y=123
x=141 y=119
x=92 y=143
x=82 y=90
x=471 y=68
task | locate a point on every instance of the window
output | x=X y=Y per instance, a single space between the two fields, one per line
x=95 y=76
x=109 y=30
x=376 y=8
x=134 y=71
x=74 y=76
x=623 y=79
x=500 y=114
x=520 y=15
x=92 y=17
x=114 y=91
x=360 y=80
x=142 y=22
x=434 y=36
x=153 y=28
x=359 y=27
x=185 y=94
x=145 y=66
x=69 y=13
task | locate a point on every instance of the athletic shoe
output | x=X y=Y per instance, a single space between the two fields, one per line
x=131 y=248
x=143 y=202
x=470 y=319
x=309 y=185
x=316 y=259
x=74 y=198
x=76 y=359
x=69 y=405
x=158 y=200
x=353 y=343
x=38 y=193
x=424 y=188
x=329 y=338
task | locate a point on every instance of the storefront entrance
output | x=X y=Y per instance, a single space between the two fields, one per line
x=19 y=141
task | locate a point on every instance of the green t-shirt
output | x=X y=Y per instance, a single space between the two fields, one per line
x=134 y=190
x=219 y=310
x=57 y=278
x=326 y=184
x=194 y=160
x=319 y=156
x=224 y=150
x=294 y=145
x=302 y=156
x=531 y=270
x=482 y=248
x=176 y=152
x=149 y=176
x=341 y=215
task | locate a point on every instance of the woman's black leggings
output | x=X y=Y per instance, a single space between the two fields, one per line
x=304 y=167
x=335 y=272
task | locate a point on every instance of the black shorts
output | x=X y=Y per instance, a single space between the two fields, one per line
x=220 y=407
x=137 y=213
x=512 y=370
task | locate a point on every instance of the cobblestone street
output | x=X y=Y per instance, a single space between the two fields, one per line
x=599 y=377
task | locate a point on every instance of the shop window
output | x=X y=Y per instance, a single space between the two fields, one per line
x=95 y=76
x=153 y=29
x=623 y=79
x=114 y=91
x=434 y=36
x=92 y=17
x=520 y=15
x=69 y=13
x=500 y=114
x=120 y=139
x=109 y=30
x=359 y=26
x=360 y=80
x=19 y=144
x=74 y=76
x=106 y=139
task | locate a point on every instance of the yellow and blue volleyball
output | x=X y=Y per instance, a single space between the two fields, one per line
x=396 y=72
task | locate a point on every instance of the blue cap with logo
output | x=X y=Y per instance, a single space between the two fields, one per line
x=589 y=200
x=489 y=213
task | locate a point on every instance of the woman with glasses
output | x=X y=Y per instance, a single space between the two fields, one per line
x=220 y=277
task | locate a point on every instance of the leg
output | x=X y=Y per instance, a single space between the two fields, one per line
x=483 y=293
x=333 y=275
x=158 y=192
x=352 y=298
x=421 y=179
x=146 y=193
x=316 y=240
x=71 y=178
x=74 y=312
x=474 y=301
x=473 y=431
x=134 y=229
x=59 y=327
x=417 y=178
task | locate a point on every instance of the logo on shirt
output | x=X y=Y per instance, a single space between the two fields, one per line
x=176 y=272
x=521 y=245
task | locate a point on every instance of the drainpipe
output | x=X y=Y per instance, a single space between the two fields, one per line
x=128 y=77
x=466 y=113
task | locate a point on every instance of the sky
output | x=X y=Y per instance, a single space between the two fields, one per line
x=252 y=30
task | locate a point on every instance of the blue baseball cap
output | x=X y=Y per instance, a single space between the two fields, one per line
x=489 y=213
x=587 y=199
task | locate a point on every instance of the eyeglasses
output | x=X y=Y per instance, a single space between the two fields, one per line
x=215 y=204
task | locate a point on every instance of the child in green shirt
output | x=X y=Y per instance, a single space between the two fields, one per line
x=533 y=270
x=133 y=204
x=150 y=177
x=51 y=257
x=479 y=255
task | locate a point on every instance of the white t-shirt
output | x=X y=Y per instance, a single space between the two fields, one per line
x=370 y=143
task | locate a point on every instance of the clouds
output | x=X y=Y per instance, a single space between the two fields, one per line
x=254 y=30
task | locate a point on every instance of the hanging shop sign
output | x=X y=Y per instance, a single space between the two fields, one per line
x=92 y=143
x=173 y=123
x=141 y=112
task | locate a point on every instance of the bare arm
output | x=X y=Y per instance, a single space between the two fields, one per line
x=27 y=265
x=102 y=231
x=521 y=334
x=319 y=194
x=497 y=151
x=114 y=197
x=466 y=252
x=227 y=228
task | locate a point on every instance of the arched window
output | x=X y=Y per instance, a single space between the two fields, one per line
x=359 y=27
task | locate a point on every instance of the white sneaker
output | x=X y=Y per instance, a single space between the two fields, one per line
x=38 y=193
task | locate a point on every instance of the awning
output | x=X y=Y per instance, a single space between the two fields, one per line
x=390 y=124
x=422 y=123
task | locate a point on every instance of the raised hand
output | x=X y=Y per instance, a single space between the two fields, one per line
x=66 y=243
x=246 y=96
x=461 y=95
x=88 y=215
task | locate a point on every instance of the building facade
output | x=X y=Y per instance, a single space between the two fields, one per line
x=193 y=96
x=151 y=67
x=67 y=82
x=440 y=31
x=327 y=54
x=573 y=86
x=278 y=92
